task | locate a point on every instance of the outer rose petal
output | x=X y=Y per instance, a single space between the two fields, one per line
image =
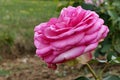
x=43 y=51
x=96 y=26
x=70 y=54
x=39 y=42
x=40 y=27
x=90 y=47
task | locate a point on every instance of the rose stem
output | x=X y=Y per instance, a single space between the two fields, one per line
x=92 y=71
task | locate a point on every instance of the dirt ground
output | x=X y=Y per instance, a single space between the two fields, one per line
x=32 y=68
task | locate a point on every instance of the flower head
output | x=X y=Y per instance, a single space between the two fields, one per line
x=74 y=33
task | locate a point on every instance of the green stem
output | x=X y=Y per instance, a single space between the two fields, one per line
x=92 y=71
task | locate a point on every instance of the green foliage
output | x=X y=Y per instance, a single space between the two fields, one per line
x=82 y=78
x=109 y=77
x=112 y=77
x=112 y=45
x=6 y=38
x=4 y=72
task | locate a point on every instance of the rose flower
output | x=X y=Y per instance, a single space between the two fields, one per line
x=74 y=33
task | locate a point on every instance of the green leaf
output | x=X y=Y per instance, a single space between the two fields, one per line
x=112 y=77
x=110 y=55
x=88 y=6
x=106 y=47
x=117 y=4
x=118 y=58
x=105 y=17
x=76 y=3
x=113 y=14
x=93 y=61
x=82 y=78
x=117 y=45
x=115 y=60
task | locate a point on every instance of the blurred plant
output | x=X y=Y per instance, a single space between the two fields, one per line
x=4 y=72
x=94 y=2
x=7 y=40
x=108 y=52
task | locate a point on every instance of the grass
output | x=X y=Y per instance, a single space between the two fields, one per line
x=19 y=17
x=4 y=72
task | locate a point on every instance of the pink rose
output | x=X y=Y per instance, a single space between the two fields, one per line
x=94 y=2
x=74 y=33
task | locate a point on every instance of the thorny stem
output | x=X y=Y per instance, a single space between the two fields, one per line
x=92 y=71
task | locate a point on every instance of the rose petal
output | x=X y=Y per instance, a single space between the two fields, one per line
x=55 y=34
x=43 y=51
x=105 y=32
x=49 y=58
x=72 y=40
x=96 y=26
x=70 y=54
x=100 y=35
x=88 y=38
x=90 y=47
x=50 y=34
x=40 y=27
x=52 y=21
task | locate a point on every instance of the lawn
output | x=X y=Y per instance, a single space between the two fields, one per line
x=17 y=21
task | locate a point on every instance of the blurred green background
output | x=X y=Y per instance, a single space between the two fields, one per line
x=17 y=21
